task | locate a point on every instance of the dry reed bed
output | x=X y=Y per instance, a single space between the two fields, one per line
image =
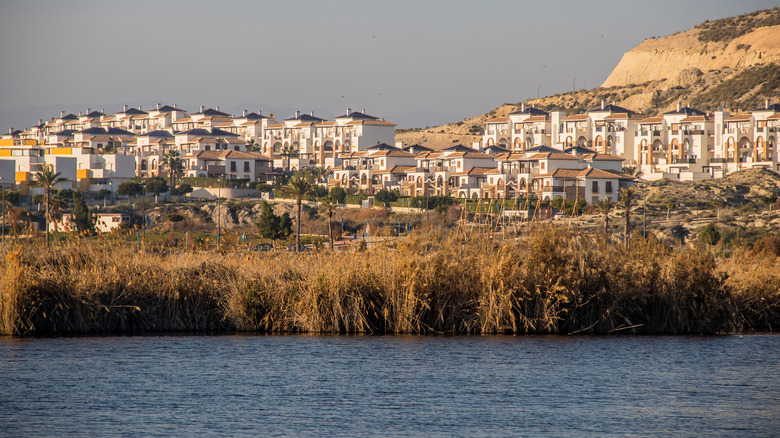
x=550 y=281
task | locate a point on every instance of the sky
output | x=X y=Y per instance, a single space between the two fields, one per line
x=414 y=62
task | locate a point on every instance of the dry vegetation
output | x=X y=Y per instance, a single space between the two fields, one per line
x=548 y=281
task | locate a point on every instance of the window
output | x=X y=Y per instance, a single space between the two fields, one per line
x=595 y=187
x=608 y=187
x=232 y=166
x=246 y=166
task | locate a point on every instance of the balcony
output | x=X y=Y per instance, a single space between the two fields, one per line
x=684 y=160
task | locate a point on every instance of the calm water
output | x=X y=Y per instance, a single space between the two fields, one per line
x=396 y=386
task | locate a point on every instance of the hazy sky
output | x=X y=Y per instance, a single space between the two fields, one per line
x=425 y=61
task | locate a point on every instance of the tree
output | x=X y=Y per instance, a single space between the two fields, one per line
x=172 y=160
x=769 y=200
x=297 y=188
x=385 y=197
x=47 y=178
x=130 y=188
x=329 y=207
x=289 y=152
x=626 y=197
x=710 y=235
x=605 y=207
x=183 y=189
x=252 y=146
x=338 y=195
x=268 y=223
x=156 y=185
x=82 y=217
x=632 y=171
x=679 y=232
x=669 y=207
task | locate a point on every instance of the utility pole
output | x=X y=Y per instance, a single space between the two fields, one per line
x=2 y=190
x=219 y=212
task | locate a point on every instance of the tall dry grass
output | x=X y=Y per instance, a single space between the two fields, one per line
x=547 y=281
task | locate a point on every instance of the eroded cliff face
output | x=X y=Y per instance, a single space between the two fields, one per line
x=675 y=59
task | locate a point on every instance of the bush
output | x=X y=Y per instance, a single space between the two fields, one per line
x=129 y=188
x=385 y=196
x=174 y=217
x=710 y=234
x=337 y=195
x=438 y=203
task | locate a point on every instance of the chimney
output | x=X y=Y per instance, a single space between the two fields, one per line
x=174 y=105
x=201 y=108
x=297 y=114
x=124 y=108
x=311 y=113
x=244 y=113
x=89 y=110
x=62 y=114
x=217 y=107
x=522 y=107
x=259 y=112
x=139 y=108
x=364 y=110
x=79 y=113
x=602 y=103
x=766 y=104
x=678 y=107
x=158 y=105
x=349 y=110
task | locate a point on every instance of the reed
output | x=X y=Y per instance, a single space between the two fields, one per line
x=548 y=280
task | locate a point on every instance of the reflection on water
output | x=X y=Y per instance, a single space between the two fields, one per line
x=393 y=385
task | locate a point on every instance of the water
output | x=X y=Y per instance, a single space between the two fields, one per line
x=390 y=386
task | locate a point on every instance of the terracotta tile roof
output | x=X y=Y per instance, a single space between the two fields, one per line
x=426 y=155
x=399 y=170
x=275 y=126
x=303 y=124
x=370 y=122
x=592 y=172
x=326 y=124
x=511 y=156
x=386 y=153
x=601 y=157
x=617 y=116
x=474 y=171
x=648 y=120
x=535 y=119
x=775 y=116
x=498 y=120
x=563 y=173
x=553 y=156
x=474 y=154
x=694 y=119
x=576 y=117
x=739 y=118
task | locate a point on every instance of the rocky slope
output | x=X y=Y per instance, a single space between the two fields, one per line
x=734 y=62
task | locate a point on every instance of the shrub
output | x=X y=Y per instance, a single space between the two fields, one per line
x=337 y=195
x=710 y=234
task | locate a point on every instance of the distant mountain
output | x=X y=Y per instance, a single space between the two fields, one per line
x=733 y=62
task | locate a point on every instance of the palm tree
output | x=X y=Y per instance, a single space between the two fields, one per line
x=47 y=178
x=172 y=160
x=632 y=171
x=298 y=187
x=289 y=152
x=329 y=206
x=626 y=197
x=605 y=206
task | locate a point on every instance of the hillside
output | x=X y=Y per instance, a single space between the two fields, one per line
x=748 y=186
x=734 y=62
